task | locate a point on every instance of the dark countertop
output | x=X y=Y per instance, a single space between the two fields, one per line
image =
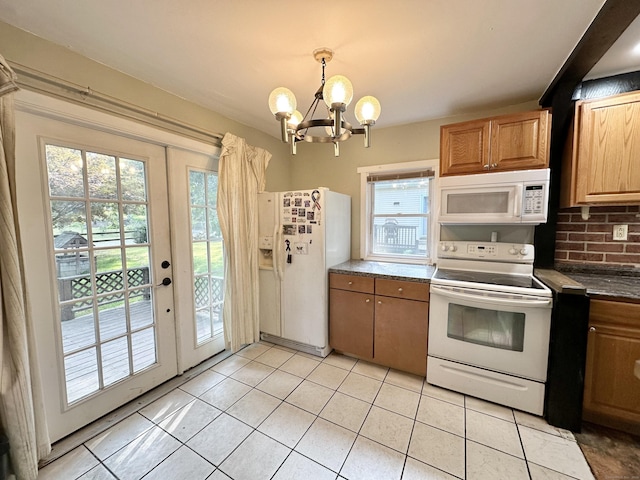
x=598 y=282
x=390 y=271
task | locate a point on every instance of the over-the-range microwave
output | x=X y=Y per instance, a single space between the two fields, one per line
x=520 y=196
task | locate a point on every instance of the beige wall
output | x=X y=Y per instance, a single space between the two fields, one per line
x=315 y=165
x=28 y=50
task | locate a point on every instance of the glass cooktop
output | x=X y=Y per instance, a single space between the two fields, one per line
x=489 y=278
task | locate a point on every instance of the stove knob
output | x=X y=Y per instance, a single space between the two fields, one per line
x=453 y=248
x=444 y=248
x=513 y=251
x=523 y=251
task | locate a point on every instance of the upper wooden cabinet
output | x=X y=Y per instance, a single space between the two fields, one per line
x=601 y=162
x=509 y=142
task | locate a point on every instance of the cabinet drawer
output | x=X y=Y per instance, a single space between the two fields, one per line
x=353 y=283
x=401 y=289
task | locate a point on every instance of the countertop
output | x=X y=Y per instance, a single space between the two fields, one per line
x=598 y=282
x=391 y=271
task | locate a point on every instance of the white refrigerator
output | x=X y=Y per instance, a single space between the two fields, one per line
x=301 y=235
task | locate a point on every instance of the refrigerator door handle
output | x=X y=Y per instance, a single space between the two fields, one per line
x=279 y=267
x=274 y=254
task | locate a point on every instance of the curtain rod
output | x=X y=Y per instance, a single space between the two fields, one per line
x=41 y=82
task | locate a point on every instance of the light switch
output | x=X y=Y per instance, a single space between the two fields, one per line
x=620 y=232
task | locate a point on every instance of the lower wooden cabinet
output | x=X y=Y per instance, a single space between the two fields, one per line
x=385 y=322
x=612 y=391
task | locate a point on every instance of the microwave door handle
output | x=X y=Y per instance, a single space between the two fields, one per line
x=518 y=201
x=495 y=300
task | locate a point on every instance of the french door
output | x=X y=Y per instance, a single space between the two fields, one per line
x=97 y=239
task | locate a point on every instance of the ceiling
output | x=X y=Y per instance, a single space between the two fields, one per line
x=423 y=59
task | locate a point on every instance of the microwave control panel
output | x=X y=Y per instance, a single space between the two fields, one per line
x=533 y=199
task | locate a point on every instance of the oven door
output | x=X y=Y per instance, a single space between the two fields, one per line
x=492 y=330
x=481 y=204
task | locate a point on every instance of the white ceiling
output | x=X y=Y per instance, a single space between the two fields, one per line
x=423 y=59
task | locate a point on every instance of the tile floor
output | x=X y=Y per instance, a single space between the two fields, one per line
x=268 y=412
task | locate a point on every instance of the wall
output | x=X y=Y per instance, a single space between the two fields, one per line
x=28 y=50
x=315 y=166
x=590 y=242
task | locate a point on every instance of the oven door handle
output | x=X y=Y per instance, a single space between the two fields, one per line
x=444 y=291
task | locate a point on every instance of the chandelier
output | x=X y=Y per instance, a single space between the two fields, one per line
x=332 y=127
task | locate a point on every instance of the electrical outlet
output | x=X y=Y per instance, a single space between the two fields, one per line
x=620 y=232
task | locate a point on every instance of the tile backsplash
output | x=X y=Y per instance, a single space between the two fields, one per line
x=590 y=242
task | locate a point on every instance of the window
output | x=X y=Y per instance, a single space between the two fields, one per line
x=397 y=205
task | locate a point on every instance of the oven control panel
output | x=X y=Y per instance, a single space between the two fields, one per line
x=498 y=251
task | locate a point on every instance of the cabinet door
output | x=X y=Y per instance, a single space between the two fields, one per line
x=520 y=141
x=401 y=334
x=608 y=169
x=612 y=391
x=351 y=322
x=464 y=148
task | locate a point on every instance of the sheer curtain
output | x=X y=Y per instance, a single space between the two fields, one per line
x=21 y=400
x=241 y=177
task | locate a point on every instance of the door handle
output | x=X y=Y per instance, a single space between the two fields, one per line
x=165 y=264
x=166 y=281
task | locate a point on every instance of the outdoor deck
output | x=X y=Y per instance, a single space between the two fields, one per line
x=81 y=367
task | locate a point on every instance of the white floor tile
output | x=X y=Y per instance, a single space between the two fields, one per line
x=346 y=411
x=405 y=380
x=254 y=407
x=300 y=365
x=142 y=454
x=371 y=461
x=484 y=463
x=493 y=409
x=75 y=463
x=274 y=357
x=225 y=394
x=388 y=428
x=183 y=463
x=287 y=424
x=310 y=397
x=359 y=386
x=298 y=467
x=533 y=421
x=438 y=448
x=441 y=414
x=252 y=373
x=118 y=436
x=257 y=458
x=166 y=405
x=327 y=444
x=99 y=472
x=372 y=370
x=189 y=420
x=328 y=375
x=203 y=382
x=230 y=365
x=541 y=473
x=252 y=351
x=342 y=361
x=443 y=394
x=493 y=432
x=218 y=475
x=218 y=439
x=555 y=453
x=279 y=384
x=416 y=470
x=398 y=400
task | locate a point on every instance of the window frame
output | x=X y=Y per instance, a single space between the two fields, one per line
x=366 y=215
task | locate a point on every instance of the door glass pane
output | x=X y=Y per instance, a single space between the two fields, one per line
x=106 y=310
x=206 y=248
x=491 y=328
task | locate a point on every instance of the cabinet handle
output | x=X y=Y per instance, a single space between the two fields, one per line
x=379 y=302
x=400 y=290
x=486 y=167
x=350 y=283
x=592 y=329
x=494 y=165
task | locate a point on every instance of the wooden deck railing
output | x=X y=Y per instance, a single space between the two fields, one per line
x=394 y=238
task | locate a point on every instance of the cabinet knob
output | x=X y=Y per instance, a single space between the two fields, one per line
x=494 y=165
x=350 y=283
x=367 y=300
x=379 y=302
x=592 y=329
x=400 y=289
x=486 y=167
